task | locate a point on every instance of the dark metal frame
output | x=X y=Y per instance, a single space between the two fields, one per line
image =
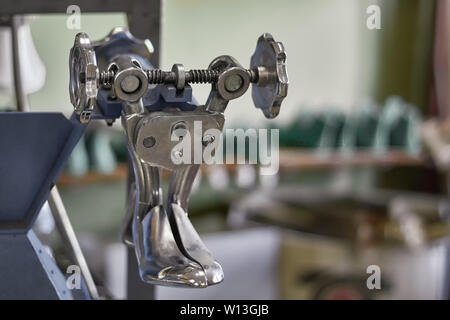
x=144 y=16
x=144 y=20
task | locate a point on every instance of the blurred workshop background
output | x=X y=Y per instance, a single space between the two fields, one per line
x=364 y=151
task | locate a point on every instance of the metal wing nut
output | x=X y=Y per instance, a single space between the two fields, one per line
x=84 y=76
x=269 y=60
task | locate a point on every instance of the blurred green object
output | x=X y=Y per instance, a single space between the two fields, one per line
x=102 y=156
x=396 y=125
x=119 y=146
x=78 y=163
x=359 y=129
x=304 y=132
x=399 y=127
x=99 y=150
x=366 y=119
x=332 y=132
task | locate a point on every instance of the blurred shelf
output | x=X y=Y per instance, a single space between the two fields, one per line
x=120 y=174
x=290 y=160
x=293 y=159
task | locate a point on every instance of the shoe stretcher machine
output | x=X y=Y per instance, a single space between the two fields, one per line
x=157 y=112
x=114 y=78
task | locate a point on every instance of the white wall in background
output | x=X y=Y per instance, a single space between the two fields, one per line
x=328 y=45
x=330 y=51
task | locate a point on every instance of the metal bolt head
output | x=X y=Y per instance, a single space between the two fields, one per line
x=233 y=83
x=130 y=84
x=149 y=142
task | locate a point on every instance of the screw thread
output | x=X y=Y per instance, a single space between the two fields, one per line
x=155 y=76
x=107 y=78
x=202 y=76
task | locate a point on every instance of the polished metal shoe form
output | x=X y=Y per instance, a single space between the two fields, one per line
x=113 y=78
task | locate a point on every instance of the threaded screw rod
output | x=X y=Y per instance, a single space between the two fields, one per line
x=158 y=76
